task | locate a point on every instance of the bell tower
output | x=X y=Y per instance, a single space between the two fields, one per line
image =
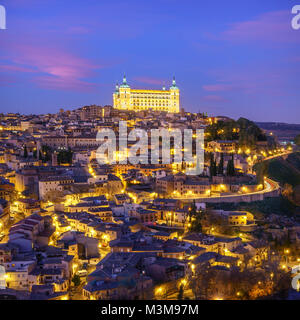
x=174 y=97
x=124 y=95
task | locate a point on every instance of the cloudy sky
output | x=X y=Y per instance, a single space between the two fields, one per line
x=234 y=58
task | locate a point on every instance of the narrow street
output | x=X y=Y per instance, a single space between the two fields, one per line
x=76 y=292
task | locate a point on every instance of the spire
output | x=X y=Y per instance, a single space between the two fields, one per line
x=124 y=83
x=174 y=86
x=174 y=81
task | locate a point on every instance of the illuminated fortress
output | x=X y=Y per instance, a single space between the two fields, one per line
x=125 y=98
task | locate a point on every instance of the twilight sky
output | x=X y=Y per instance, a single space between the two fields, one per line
x=233 y=57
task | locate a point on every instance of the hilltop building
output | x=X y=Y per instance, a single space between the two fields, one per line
x=126 y=98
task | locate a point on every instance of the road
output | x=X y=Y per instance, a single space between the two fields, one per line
x=277 y=155
x=76 y=292
x=270 y=186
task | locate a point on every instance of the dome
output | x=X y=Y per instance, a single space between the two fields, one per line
x=124 y=83
x=174 y=86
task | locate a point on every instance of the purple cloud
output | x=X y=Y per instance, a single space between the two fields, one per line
x=271 y=27
x=57 y=68
x=14 y=68
x=6 y=80
x=49 y=82
x=219 y=87
x=215 y=98
x=149 y=80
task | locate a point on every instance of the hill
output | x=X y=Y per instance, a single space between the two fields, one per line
x=285 y=132
x=285 y=171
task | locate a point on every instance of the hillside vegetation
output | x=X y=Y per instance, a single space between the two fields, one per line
x=286 y=172
x=279 y=205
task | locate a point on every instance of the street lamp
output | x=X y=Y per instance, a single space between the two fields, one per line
x=159 y=290
x=143 y=273
x=170 y=218
x=183 y=282
x=193 y=268
x=286 y=251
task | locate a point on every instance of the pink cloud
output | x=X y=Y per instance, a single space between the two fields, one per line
x=49 y=82
x=15 y=68
x=6 y=80
x=215 y=98
x=272 y=27
x=150 y=80
x=259 y=80
x=54 y=61
x=57 y=68
x=218 y=87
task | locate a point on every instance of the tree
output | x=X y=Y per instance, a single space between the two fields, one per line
x=195 y=218
x=261 y=170
x=198 y=284
x=261 y=290
x=25 y=152
x=213 y=166
x=297 y=140
x=41 y=156
x=243 y=130
x=180 y=293
x=230 y=170
x=76 y=280
x=221 y=165
x=65 y=156
x=249 y=133
x=289 y=146
x=46 y=153
x=288 y=191
x=196 y=224
x=192 y=211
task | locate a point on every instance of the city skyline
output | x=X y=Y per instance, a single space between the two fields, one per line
x=227 y=60
x=149 y=152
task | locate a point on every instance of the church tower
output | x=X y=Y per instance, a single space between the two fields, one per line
x=124 y=94
x=174 y=98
